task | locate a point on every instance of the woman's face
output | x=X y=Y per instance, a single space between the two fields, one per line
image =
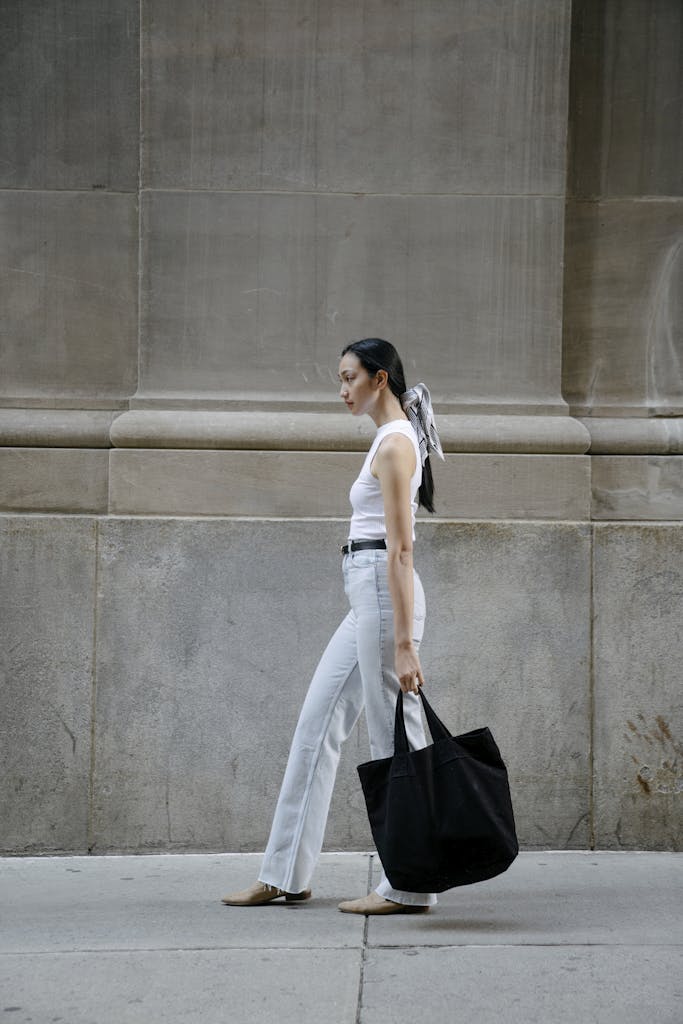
x=358 y=390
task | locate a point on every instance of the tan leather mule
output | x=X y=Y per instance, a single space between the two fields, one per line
x=259 y=893
x=376 y=904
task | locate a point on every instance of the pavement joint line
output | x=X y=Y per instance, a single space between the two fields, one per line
x=177 y=949
x=136 y=950
x=529 y=945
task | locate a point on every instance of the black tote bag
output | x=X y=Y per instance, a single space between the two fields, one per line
x=441 y=816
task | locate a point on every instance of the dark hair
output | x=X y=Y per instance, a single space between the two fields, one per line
x=376 y=354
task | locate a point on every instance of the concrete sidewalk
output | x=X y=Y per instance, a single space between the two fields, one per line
x=561 y=936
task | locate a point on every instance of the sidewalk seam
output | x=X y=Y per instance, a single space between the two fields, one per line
x=591 y=694
x=90 y=824
x=364 y=948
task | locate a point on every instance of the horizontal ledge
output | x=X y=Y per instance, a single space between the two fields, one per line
x=65 y=403
x=55 y=428
x=280 y=429
x=635 y=435
x=320 y=431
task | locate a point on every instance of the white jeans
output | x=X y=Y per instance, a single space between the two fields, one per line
x=355 y=671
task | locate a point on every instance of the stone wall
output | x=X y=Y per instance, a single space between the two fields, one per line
x=201 y=204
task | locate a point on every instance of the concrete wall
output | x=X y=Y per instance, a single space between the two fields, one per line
x=201 y=204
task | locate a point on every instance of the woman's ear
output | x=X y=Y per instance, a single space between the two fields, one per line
x=381 y=379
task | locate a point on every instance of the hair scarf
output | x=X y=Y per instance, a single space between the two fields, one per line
x=417 y=405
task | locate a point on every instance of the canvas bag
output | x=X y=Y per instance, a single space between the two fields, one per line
x=441 y=816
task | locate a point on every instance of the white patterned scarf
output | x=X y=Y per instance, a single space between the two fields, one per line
x=417 y=405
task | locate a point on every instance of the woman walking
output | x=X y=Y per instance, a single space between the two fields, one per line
x=375 y=649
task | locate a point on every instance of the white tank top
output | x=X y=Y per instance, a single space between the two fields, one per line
x=367 y=520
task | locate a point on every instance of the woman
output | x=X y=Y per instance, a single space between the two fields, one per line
x=375 y=649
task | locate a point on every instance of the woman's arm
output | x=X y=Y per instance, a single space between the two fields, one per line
x=394 y=466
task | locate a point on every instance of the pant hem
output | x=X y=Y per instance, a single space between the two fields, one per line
x=408 y=899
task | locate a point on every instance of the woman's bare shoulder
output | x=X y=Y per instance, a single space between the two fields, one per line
x=396 y=451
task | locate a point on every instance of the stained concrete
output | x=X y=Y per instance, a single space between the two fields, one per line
x=69 y=79
x=623 y=307
x=47 y=566
x=136 y=939
x=636 y=435
x=623 y=312
x=638 y=605
x=469 y=97
x=208 y=634
x=68 y=293
x=507 y=645
x=196 y=706
x=637 y=487
x=625 y=129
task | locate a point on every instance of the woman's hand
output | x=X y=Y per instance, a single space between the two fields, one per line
x=408 y=668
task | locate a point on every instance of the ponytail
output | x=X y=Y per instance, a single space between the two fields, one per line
x=375 y=354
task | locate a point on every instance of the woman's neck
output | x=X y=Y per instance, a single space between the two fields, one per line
x=388 y=410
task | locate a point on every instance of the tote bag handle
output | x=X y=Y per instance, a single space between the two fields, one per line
x=436 y=727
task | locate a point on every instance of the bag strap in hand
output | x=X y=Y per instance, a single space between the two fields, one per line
x=436 y=727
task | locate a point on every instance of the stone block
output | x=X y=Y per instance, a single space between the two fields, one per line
x=257 y=295
x=637 y=487
x=47 y=567
x=625 y=126
x=623 y=308
x=222 y=483
x=53 y=480
x=469 y=289
x=224 y=623
x=539 y=983
x=389 y=97
x=228 y=300
x=638 y=604
x=68 y=294
x=207 y=985
x=292 y=483
x=507 y=645
x=478 y=486
x=70 y=86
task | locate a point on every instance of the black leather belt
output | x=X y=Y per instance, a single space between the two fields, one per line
x=363 y=545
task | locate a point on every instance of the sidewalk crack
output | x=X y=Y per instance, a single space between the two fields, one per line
x=364 y=947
